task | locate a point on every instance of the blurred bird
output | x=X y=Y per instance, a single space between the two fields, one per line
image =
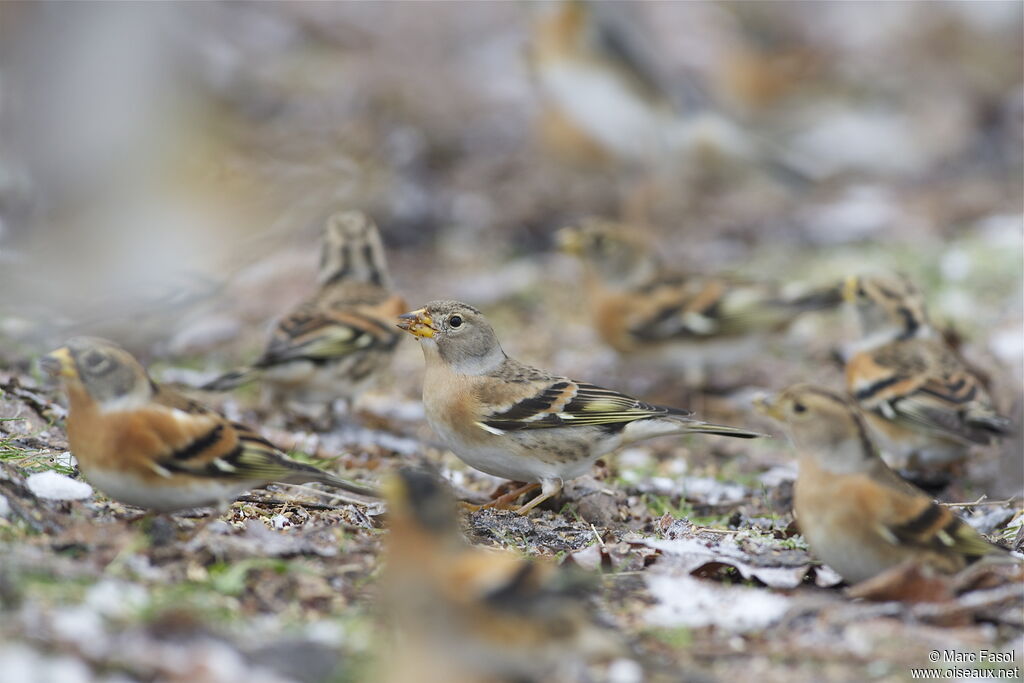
x=514 y=421
x=148 y=446
x=470 y=614
x=603 y=93
x=858 y=515
x=694 y=321
x=340 y=342
x=921 y=399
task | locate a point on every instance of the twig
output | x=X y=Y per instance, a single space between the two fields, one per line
x=597 y=535
x=280 y=501
x=981 y=501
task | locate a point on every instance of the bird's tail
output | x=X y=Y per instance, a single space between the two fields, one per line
x=698 y=427
x=231 y=380
x=343 y=484
x=990 y=422
x=820 y=298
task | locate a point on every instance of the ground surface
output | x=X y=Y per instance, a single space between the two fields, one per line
x=427 y=120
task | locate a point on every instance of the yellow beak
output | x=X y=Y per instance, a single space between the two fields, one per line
x=417 y=323
x=850 y=289
x=570 y=241
x=767 y=406
x=59 y=363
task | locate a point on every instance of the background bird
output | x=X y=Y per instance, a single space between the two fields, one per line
x=340 y=342
x=147 y=446
x=511 y=420
x=692 y=321
x=923 y=402
x=605 y=95
x=474 y=614
x=858 y=515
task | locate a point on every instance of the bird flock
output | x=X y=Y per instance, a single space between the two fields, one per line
x=911 y=403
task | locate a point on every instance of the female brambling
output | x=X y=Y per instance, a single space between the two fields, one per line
x=338 y=343
x=148 y=446
x=918 y=395
x=858 y=515
x=470 y=614
x=514 y=421
x=606 y=96
x=694 y=321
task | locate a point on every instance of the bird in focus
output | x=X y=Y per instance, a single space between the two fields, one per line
x=695 y=322
x=511 y=420
x=925 y=405
x=858 y=515
x=341 y=341
x=148 y=446
x=472 y=614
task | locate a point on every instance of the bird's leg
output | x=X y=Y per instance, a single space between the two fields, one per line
x=549 y=488
x=503 y=501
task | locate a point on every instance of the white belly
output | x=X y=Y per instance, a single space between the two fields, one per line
x=529 y=455
x=129 y=489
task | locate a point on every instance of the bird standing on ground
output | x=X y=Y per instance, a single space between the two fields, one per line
x=514 y=421
x=473 y=614
x=918 y=395
x=604 y=95
x=858 y=515
x=148 y=446
x=693 y=321
x=340 y=342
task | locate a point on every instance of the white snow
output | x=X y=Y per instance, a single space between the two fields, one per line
x=57 y=486
x=5 y=507
x=686 y=601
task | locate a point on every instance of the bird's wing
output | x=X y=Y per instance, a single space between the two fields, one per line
x=562 y=402
x=917 y=521
x=926 y=385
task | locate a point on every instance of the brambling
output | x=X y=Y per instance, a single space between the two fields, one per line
x=148 y=446
x=694 y=321
x=858 y=515
x=474 y=614
x=605 y=95
x=338 y=343
x=514 y=421
x=923 y=402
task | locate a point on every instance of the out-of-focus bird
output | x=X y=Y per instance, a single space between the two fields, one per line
x=145 y=445
x=694 y=321
x=471 y=614
x=515 y=421
x=923 y=402
x=340 y=342
x=604 y=95
x=858 y=515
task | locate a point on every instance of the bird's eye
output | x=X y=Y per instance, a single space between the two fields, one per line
x=799 y=408
x=94 y=361
x=455 y=321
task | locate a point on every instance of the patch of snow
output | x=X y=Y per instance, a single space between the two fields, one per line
x=870 y=141
x=956 y=264
x=115 y=599
x=280 y=522
x=1007 y=345
x=22 y=664
x=711 y=491
x=81 y=626
x=779 y=474
x=625 y=671
x=5 y=507
x=861 y=212
x=686 y=601
x=56 y=486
